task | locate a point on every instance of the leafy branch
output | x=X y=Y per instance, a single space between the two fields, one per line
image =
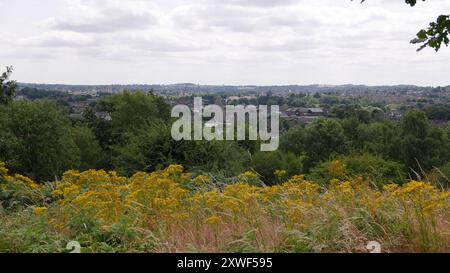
x=435 y=35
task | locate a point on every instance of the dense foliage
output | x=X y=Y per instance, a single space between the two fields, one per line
x=36 y=139
x=39 y=140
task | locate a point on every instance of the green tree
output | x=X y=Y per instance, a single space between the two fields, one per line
x=91 y=156
x=153 y=148
x=422 y=146
x=380 y=138
x=136 y=110
x=102 y=130
x=36 y=140
x=130 y=112
x=317 y=141
x=7 y=87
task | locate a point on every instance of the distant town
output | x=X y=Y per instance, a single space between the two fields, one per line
x=299 y=104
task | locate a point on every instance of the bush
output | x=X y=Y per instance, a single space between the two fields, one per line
x=19 y=191
x=272 y=165
x=89 y=149
x=372 y=168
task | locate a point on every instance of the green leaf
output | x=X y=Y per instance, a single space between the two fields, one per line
x=422 y=34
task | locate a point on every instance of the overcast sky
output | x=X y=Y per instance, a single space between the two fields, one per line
x=260 y=42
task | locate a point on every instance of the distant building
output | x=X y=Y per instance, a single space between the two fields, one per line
x=76 y=116
x=20 y=97
x=231 y=99
x=79 y=106
x=83 y=92
x=103 y=115
x=396 y=114
x=305 y=112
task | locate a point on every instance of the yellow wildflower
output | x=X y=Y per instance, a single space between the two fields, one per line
x=57 y=193
x=248 y=175
x=201 y=180
x=336 y=169
x=39 y=210
x=390 y=188
x=27 y=181
x=297 y=179
x=280 y=174
x=174 y=170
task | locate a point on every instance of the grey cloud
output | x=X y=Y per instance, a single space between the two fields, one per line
x=240 y=19
x=61 y=39
x=199 y=18
x=107 y=21
x=257 y=3
x=20 y=53
x=53 y=41
x=159 y=44
x=292 y=45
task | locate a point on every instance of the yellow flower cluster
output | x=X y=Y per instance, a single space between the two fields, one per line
x=162 y=203
x=280 y=174
x=109 y=198
x=421 y=196
x=201 y=180
x=39 y=210
x=336 y=169
x=18 y=185
x=27 y=182
x=96 y=193
x=248 y=175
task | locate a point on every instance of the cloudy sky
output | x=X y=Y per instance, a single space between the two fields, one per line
x=220 y=41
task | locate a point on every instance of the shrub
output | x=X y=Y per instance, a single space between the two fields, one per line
x=372 y=168
x=270 y=164
x=19 y=191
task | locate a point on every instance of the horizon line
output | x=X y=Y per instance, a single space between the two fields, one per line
x=239 y=85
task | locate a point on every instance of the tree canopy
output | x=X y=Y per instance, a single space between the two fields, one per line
x=36 y=139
